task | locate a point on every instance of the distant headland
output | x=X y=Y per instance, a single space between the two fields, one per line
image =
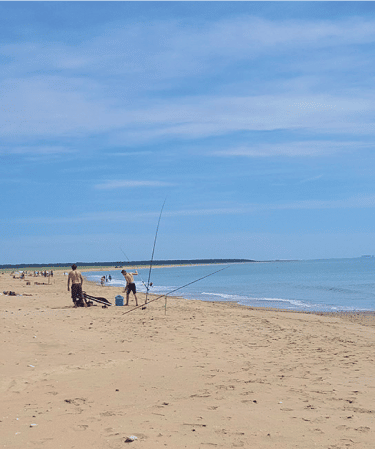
x=120 y=264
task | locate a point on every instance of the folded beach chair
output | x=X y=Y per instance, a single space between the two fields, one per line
x=100 y=300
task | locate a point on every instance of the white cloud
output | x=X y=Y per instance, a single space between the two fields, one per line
x=352 y=202
x=129 y=153
x=42 y=150
x=172 y=48
x=112 y=216
x=293 y=149
x=312 y=179
x=101 y=85
x=120 y=184
x=249 y=208
x=40 y=110
x=347 y=203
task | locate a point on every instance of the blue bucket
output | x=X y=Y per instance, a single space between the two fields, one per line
x=119 y=300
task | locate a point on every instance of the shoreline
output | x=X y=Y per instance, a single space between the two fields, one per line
x=357 y=315
x=338 y=312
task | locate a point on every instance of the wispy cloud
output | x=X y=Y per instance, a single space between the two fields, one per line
x=312 y=179
x=346 y=203
x=128 y=153
x=58 y=89
x=355 y=202
x=35 y=150
x=293 y=149
x=172 y=48
x=120 y=184
x=74 y=113
x=203 y=116
x=111 y=216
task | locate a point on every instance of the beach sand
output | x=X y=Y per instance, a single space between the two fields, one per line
x=194 y=375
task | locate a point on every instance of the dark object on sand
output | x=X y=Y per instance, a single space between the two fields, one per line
x=96 y=299
x=10 y=293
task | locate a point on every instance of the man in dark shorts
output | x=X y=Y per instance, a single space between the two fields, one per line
x=130 y=286
x=75 y=277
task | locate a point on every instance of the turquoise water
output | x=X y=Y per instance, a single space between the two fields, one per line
x=313 y=285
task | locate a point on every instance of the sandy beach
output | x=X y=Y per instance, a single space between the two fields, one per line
x=192 y=375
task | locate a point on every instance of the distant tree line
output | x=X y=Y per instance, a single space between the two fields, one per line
x=123 y=264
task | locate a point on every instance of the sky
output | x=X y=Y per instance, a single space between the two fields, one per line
x=253 y=121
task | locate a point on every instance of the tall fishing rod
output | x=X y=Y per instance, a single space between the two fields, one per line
x=153 y=251
x=179 y=288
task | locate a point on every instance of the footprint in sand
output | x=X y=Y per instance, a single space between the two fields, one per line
x=363 y=429
x=81 y=427
x=76 y=401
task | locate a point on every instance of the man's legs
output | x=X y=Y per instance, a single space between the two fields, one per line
x=77 y=296
x=128 y=294
x=74 y=294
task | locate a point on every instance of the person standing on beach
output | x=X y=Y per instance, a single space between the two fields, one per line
x=75 y=277
x=130 y=286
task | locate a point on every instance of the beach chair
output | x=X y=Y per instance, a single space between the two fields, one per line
x=89 y=298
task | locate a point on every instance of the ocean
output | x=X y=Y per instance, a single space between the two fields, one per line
x=307 y=285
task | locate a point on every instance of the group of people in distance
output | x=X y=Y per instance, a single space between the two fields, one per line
x=105 y=279
x=36 y=273
x=75 y=280
x=43 y=273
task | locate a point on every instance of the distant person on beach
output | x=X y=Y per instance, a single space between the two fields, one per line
x=75 y=277
x=102 y=280
x=130 y=286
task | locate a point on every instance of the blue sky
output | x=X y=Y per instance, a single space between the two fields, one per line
x=255 y=120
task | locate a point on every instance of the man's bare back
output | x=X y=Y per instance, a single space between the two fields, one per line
x=75 y=277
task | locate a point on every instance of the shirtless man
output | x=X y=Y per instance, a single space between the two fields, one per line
x=75 y=277
x=130 y=286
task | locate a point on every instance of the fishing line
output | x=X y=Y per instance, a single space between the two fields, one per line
x=179 y=288
x=153 y=251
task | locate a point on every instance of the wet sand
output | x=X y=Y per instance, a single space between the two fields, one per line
x=190 y=375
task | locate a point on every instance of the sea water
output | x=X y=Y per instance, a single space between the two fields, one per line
x=307 y=285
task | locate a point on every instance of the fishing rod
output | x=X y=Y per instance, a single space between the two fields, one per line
x=153 y=251
x=179 y=288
